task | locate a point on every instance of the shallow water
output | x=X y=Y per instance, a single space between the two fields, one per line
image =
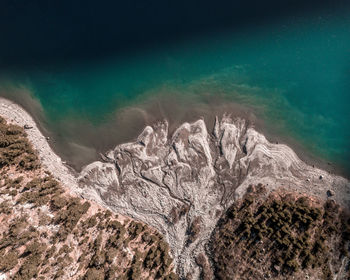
x=294 y=77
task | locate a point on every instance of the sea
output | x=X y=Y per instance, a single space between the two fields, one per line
x=290 y=77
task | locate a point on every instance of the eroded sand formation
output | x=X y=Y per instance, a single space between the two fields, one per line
x=182 y=184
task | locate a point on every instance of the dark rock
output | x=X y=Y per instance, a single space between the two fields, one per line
x=244 y=149
x=330 y=193
x=105 y=158
x=27 y=126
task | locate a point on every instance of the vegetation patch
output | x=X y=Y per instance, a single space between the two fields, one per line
x=47 y=233
x=280 y=236
x=15 y=149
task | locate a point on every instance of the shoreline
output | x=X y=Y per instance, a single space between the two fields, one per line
x=305 y=155
x=89 y=141
x=68 y=175
x=223 y=172
x=15 y=114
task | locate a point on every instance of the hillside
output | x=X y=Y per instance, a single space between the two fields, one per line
x=47 y=232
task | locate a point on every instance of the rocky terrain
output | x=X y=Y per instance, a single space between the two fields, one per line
x=182 y=184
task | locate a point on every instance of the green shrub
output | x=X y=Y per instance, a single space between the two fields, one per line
x=98 y=259
x=293 y=231
x=8 y=261
x=94 y=274
x=194 y=229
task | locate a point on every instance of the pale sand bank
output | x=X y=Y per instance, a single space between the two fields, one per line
x=15 y=114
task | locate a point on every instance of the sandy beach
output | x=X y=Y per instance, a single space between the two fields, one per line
x=15 y=114
x=79 y=142
x=53 y=163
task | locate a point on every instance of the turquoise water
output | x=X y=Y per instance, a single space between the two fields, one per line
x=294 y=75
